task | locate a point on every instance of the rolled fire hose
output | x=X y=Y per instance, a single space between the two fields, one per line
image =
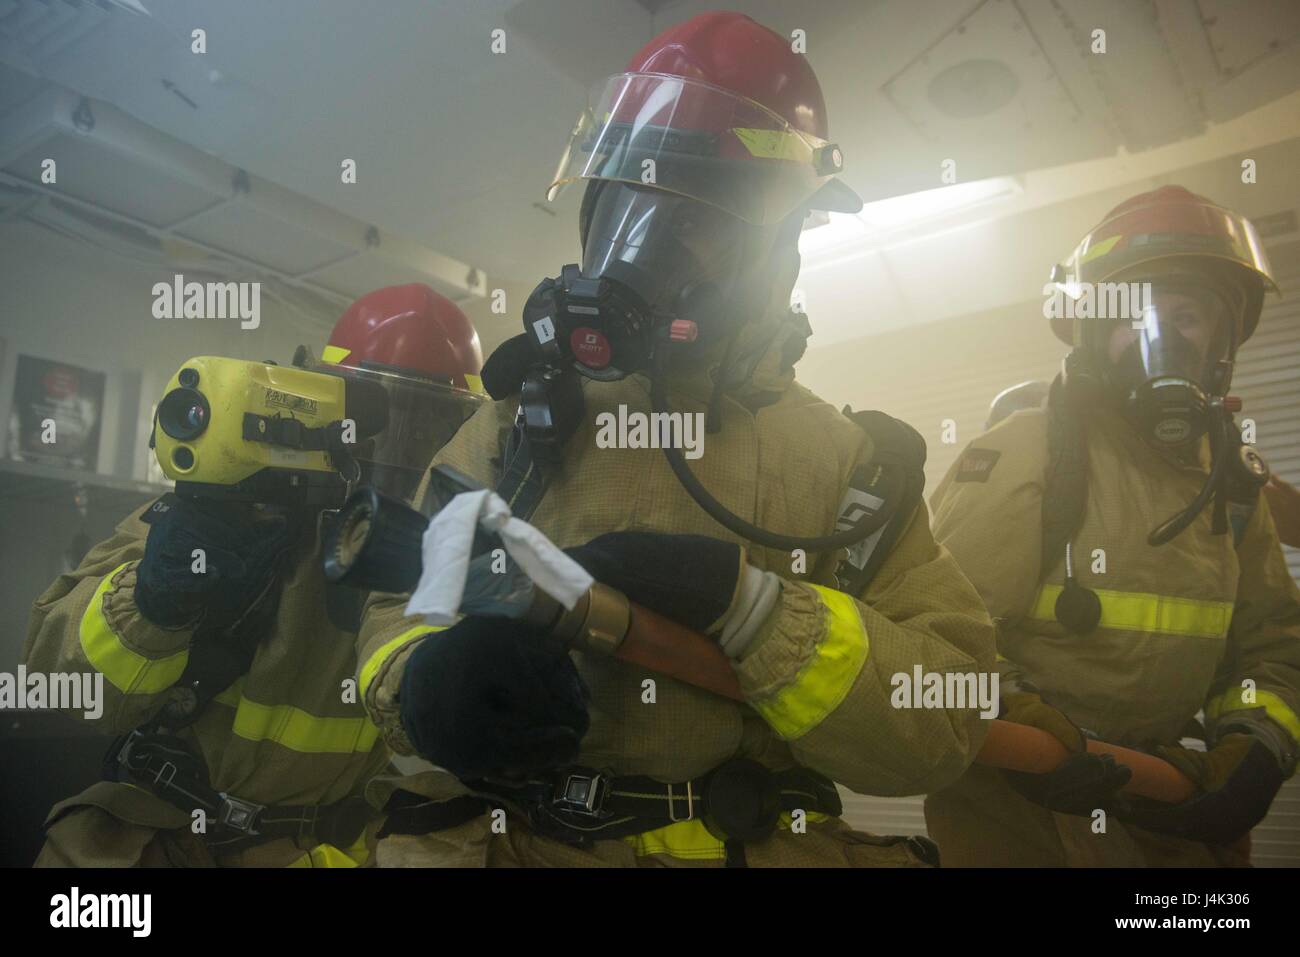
x=605 y=622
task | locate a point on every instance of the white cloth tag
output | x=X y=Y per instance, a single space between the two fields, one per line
x=446 y=548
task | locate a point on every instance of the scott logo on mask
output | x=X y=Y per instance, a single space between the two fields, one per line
x=651 y=430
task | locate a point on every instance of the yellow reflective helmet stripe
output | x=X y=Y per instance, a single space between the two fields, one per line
x=128 y=671
x=296 y=729
x=774 y=144
x=1274 y=707
x=692 y=841
x=1147 y=613
x=386 y=650
x=334 y=354
x=475 y=383
x=825 y=680
x=1100 y=249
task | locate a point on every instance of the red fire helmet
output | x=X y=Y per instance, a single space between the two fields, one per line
x=719 y=109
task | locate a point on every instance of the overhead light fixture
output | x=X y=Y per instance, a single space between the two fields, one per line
x=844 y=232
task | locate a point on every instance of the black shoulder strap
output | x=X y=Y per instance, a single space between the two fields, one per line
x=893 y=479
x=1065 y=483
x=1248 y=473
x=522 y=483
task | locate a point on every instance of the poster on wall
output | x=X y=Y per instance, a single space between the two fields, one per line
x=56 y=414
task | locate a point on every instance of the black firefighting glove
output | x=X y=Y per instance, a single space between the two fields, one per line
x=1238 y=779
x=490 y=697
x=1082 y=783
x=207 y=561
x=691 y=579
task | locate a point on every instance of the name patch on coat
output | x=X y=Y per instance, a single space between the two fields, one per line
x=976 y=465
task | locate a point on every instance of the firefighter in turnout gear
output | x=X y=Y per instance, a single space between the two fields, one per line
x=228 y=663
x=1118 y=538
x=683 y=309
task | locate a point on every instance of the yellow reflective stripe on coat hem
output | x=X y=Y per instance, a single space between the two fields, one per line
x=825 y=680
x=686 y=840
x=296 y=729
x=692 y=841
x=1273 y=706
x=327 y=855
x=1147 y=613
x=126 y=670
x=385 y=651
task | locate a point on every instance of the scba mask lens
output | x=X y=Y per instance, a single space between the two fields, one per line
x=658 y=244
x=654 y=265
x=1175 y=359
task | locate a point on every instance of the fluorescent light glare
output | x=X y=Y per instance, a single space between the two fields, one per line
x=901 y=212
x=914 y=208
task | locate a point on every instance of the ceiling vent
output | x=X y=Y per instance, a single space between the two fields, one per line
x=33 y=30
x=124 y=185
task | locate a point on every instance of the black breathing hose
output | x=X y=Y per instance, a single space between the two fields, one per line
x=1173 y=526
x=867 y=527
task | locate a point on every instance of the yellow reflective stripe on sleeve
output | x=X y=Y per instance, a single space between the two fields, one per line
x=825 y=680
x=1273 y=706
x=1150 y=614
x=384 y=651
x=126 y=670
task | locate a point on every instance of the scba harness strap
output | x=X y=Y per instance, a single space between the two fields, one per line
x=739 y=801
x=893 y=480
x=165 y=766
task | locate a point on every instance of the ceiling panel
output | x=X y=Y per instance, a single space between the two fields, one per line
x=97 y=174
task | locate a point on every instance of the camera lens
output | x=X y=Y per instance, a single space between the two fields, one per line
x=183 y=413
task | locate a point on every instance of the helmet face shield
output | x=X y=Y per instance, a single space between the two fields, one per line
x=1167 y=227
x=401 y=421
x=1144 y=233
x=699 y=141
x=658 y=243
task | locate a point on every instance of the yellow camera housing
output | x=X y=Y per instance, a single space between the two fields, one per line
x=251 y=430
